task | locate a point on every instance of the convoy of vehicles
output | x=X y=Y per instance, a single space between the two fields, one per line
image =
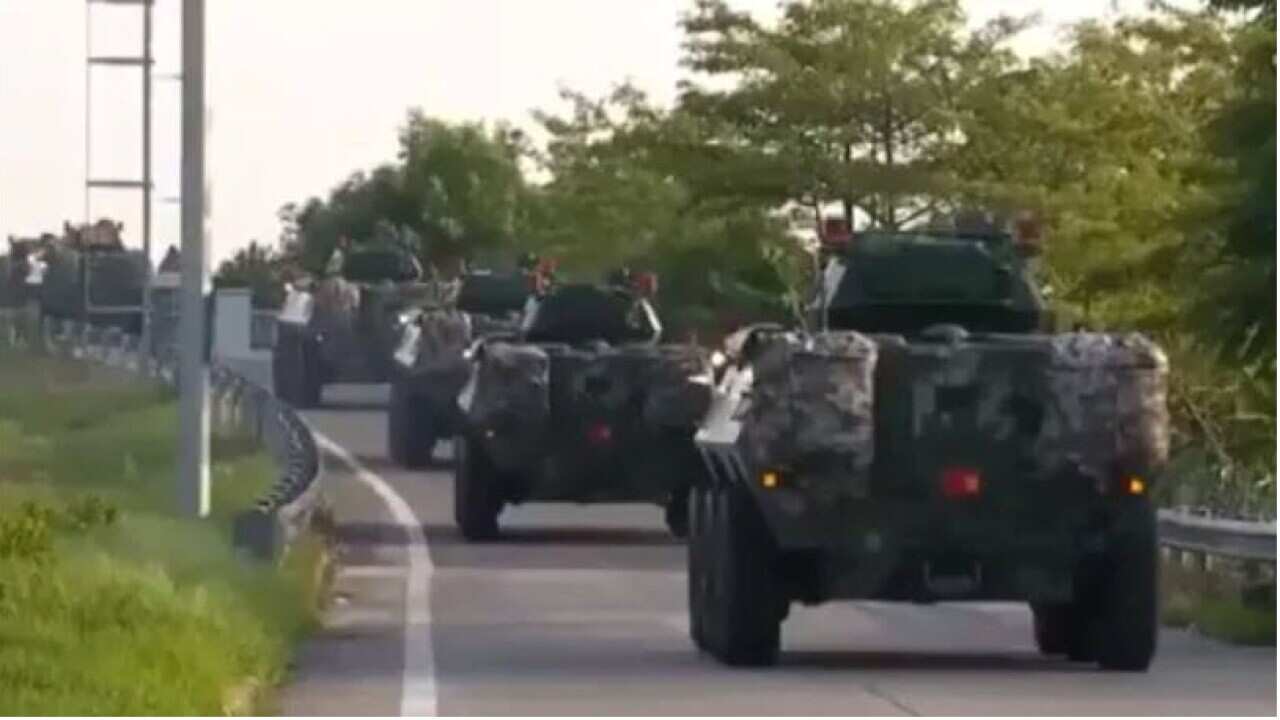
x=925 y=436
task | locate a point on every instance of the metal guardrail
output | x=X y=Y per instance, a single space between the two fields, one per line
x=1236 y=539
x=237 y=404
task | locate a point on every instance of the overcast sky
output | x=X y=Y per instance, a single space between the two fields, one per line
x=303 y=92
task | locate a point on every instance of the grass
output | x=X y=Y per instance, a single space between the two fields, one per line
x=109 y=603
x=1219 y=603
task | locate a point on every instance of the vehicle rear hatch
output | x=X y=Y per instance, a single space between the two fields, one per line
x=1027 y=430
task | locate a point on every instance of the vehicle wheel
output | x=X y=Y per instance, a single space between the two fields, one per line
x=1128 y=620
x=1055 y=627
x=310 y=384
x=743 y=620
x=696 y=549
x=476 y=502
x=677 y=514
x=284 y=378
x=409 y=435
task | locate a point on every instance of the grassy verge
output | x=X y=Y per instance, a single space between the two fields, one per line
x=1219 y=602
x=109 y=603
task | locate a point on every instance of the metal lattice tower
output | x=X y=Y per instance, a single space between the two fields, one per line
x=143 y=183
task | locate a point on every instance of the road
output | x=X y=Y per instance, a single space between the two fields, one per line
x=581 y=611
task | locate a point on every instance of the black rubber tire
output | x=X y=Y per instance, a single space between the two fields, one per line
x=310 y=382
x=1127 y=623
x=476 y=499
x=1055 y=626
x=676 y=514
x=743 y=622
x=410 y=437
x=284 y=378
x=295 y=369
x=696 y=550
x=288 y=368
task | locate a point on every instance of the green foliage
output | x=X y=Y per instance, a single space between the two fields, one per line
x=260 y=269
x=618 y=197
x=457 y=187
x=28 y=533
x=1223 y=601
x=843 y=100
x=466 y=182
x=1239 y=307
x=109 y=604
x=1236 y=623
x=1118 y=142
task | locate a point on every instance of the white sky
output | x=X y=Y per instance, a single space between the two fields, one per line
x=303 y=92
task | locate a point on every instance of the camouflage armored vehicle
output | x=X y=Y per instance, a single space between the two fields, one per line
x=583 y=405
x=344 y=326
x=430 y=365
x=87 y=275
x=931 y=443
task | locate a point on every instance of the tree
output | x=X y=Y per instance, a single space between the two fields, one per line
x=258 y=268
x=1104 y=140
x=1240 y=311
x=352 y=210
x=617 y=196
x=844 y=100
x=456 y=186
x=465 y=183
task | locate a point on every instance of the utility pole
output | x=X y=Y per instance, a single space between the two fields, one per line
x=193 y=370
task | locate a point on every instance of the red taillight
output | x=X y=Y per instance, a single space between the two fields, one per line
x=645 y=284
x=961 y=482
x=599 y=434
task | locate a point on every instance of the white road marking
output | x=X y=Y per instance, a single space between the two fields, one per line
x=378 y=572
x=418 y=686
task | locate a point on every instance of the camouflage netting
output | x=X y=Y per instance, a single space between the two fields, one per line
x=671 y=400
x=443 y=335
x=511 y=387
x=811 y=401
x=1083 y=404
x=1039 y=405
x=612 y=378
x=1109 y=393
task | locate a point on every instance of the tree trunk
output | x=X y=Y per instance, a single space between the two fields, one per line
x=890 y=210
x=847 y=199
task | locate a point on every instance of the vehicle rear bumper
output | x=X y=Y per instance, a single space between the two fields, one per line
x=925 y=551
x=651 y=468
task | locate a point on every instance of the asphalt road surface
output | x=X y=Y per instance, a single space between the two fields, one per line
x=581 y=611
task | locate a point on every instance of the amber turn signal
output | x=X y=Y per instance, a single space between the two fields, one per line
x=1135 y=485
x=770 y=479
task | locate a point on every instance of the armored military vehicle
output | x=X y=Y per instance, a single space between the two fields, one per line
x=86 y=275
x=430 y=365
x=582 y=404
x=928 y=442
x=344 y=325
